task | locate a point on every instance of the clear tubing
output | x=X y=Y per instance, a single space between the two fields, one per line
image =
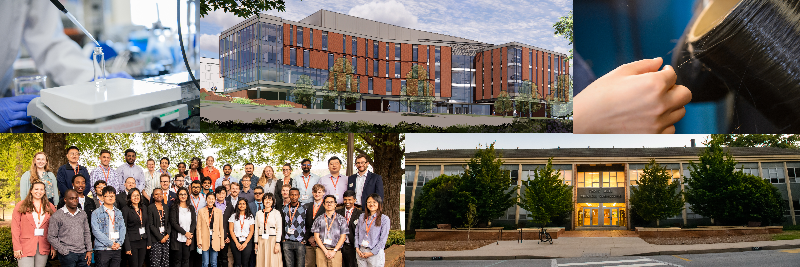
x=74 y=20
x=99 y=79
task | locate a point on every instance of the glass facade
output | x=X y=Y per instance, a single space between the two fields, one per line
x=414 y=53
x=330 y=61
x=396 y=51
x=375 y=50
x=324 y=40
x=375 y=68
x=306 y=58
x=299 y=36
x=369 y=85
x=311 y=40
x=292 y=57
x=463 y=83
x=355 y=45
x=514 y=70
x=397 y=69
x=437 y=77
x=388 y=86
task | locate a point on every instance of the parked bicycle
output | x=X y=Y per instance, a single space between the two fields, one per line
x=544 y=237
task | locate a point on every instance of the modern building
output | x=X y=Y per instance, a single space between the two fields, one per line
x=209 y=75
x=263 y=56
x=602 y=177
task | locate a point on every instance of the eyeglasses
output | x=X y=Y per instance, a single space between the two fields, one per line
x=361 y=163
x=257 y=193
x=74 y=154
x=330 y=202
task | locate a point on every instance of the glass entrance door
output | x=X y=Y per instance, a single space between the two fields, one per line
x=590 y=216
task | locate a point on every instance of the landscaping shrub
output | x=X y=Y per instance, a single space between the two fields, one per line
x=396 y=237
x=6 y=248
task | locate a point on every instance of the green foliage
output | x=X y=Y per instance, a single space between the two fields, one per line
x=728 y=196
x=485 y=181
x=342 y=84
x=177 y=147
x=16 y=155
x=563 y=27
x=503 y=104
x=284 y=106
x=317 y=126
x=6 y=248
x=755 y=140
x=418 y=93
x=546 y=196
x=396 y=237
x=303 y=91
x=243 y=101
x=655 y=198
x=528 y=99
x=435 y=204
x=241 y=8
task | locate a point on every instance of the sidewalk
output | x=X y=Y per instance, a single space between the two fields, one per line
x=568 y=247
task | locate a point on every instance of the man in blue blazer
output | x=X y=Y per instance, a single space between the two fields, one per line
x=364 y=183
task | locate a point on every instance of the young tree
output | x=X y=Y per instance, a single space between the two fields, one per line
x=470 y=222
x=545 y=195
x=488 y=184
x=655 y=198
x=503 y=104
x=712 y=184
x=760 y=200
x=528 y=98
x=342 y=84
x=418 y=91
x=304 y=92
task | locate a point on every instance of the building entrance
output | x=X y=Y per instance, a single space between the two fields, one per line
x=602 y=214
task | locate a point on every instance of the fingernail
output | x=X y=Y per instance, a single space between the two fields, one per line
x=665 y=67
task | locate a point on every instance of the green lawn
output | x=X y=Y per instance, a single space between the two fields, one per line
x=787 y=235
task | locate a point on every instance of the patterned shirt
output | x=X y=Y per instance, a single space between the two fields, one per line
x=338 y=226
x=293 y=219
x=376 y=236
x=111 y=176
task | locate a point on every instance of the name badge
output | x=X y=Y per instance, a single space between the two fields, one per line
x=161 y=229
x=242 y=239
x=304 y=197
x=290 y=231
x=265 y=236
x=365 y=243
x=210 y=232
x=113 y=235
x=199 y=251
x=141 y=230
x=38 y=232
x=328 y=241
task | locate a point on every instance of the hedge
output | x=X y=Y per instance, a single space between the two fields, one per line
x=6 y=248
x=396 y=237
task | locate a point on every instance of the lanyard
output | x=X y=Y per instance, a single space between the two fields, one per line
x=316 y=207
x=241 y=223
x=106 y=174
x=111 y=216
x=139 y=212
x=334 y=183
x=347 y=214
x=193 y=203
x=161 y=215
x=329 y=225
x=309 y=180
x=76 y=169
x=291 y=218
x=266 y=218
x=39 y=215
x=369 y=223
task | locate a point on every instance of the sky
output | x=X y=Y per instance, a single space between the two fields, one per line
x=489 y=21
x=422 y=142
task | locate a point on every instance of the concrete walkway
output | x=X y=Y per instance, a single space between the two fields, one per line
x=226 y=111
x=569 y=247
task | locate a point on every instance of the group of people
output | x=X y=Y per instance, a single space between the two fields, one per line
x=198 y=217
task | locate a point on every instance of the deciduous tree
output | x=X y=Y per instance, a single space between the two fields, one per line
x=546 y=196
x=655 y=198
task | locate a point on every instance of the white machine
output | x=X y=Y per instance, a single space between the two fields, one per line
x=118 y=106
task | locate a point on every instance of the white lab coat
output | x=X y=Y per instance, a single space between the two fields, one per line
x=37 y=25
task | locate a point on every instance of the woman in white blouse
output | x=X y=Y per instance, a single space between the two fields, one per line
x=269 y=226
x=241 y=224
x=184 y=222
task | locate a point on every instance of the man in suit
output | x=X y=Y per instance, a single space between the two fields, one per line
x=364 y=183
x=350 y=214
x=122 y=198
x=313 y=210
x=258 y=203
x=167 y=196
x=97 y=197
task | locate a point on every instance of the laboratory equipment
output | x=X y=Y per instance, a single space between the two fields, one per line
x=29 y=85
x=74 y=20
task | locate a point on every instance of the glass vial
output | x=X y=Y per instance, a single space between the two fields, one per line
x=99 y=67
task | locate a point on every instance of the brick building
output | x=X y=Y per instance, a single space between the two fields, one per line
x=263 y=56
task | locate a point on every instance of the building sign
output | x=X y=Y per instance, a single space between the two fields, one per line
x=601 y=195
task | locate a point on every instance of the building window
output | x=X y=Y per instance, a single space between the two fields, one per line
x=305 y=58
x=386 y=54
x=530 y=66
x=291 y=32
x=794 y=174
x=438 y=55
x=330 y=61
x=311 y=40
x=355 y=66
x=292 y=57
x=774 y=175
x=397 y=69
x=437 y=84
x=369 y=85
x=414 y=53
x=375 y=68
x=366 y=67
x=299 y=36
x=344 y=42
x=355 y=45
x=324 y=40
x=388 y=86
x=396 y=51
x=375 y=49
x=387 y=69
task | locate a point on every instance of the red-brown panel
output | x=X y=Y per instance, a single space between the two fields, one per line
x=405 y=67
x=382 y=50
x=381 y=69
x=286 y=55
x=360 y=47
x=306 y=37
x=318 y=39
x=540 y=73
x=286 y=33
x=525 y=63
x=496 y=72
x=446 y=83
x=504 y=69
x=348 y=45
x=363 y=69
x=391 y=51
x=319 y=59
x=487 y=74
x=405 y=52
x=421 y=55
x=363 y=85
x=300 y=57
x=370 y=48
x=334 y=42
x=566 y=67
x=478 y=76
x=391 y=70
x=395 y=86
x=379 y=86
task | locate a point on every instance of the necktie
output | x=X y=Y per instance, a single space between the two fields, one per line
x=259 y=206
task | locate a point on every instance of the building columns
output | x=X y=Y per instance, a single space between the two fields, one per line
x=789 y=193
x=683 y=190
x=519 y=186
x=627 y=197
x=413 y=194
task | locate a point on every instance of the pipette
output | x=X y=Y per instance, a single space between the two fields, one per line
x=73 y=19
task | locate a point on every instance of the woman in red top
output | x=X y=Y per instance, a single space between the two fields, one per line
x=195 y=169
x=211 y=171
x=29 y=224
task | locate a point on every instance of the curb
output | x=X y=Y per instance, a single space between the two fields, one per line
x=672 y=252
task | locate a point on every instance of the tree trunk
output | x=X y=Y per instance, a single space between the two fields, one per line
x=388 y=156
x=54 y=145
x=658 y=223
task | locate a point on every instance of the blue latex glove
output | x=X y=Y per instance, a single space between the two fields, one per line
x=14 y=111
x=120 y=74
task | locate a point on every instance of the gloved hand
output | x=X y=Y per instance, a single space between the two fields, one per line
x=14 y=111
x=120 y=74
